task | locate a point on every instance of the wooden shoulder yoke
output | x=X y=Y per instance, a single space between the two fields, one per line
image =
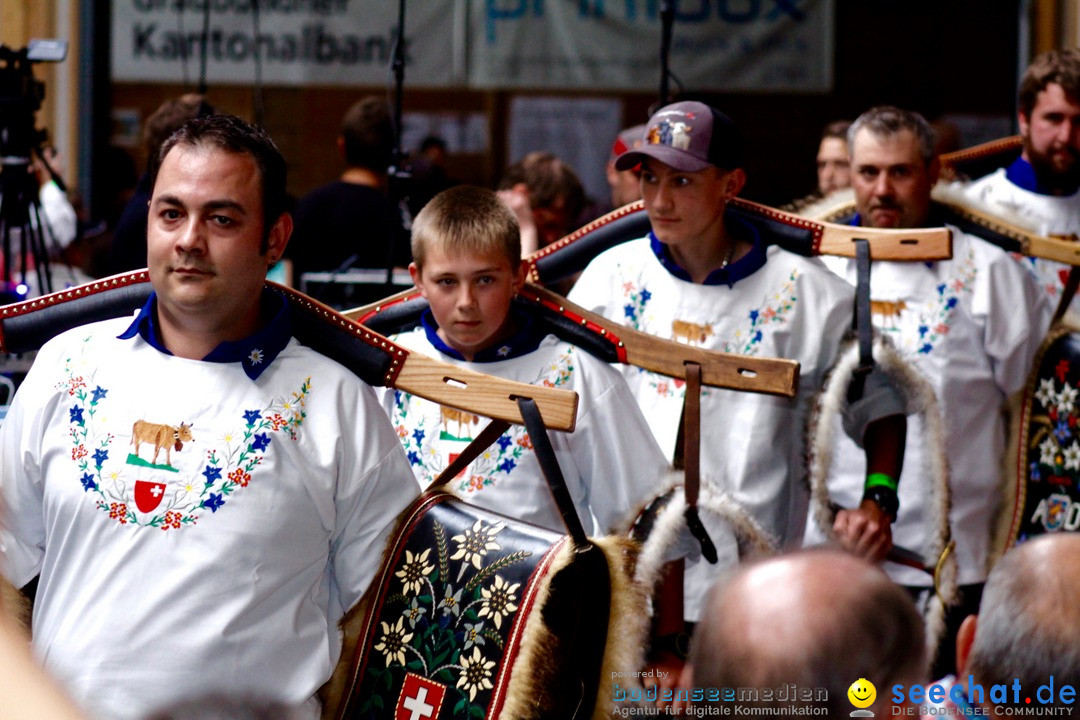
x=610 y=342
x=794 y=233
x=26 y=326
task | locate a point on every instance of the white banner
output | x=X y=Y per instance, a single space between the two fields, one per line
x=300 y=42
x=718 y=45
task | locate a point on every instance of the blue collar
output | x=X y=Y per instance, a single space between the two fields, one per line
x=255 y=352
x=1022 y=175
x=524 y=341
x=744 y=267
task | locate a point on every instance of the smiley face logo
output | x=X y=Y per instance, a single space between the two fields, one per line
x=862 y=693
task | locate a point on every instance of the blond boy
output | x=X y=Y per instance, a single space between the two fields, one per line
x=466 y=263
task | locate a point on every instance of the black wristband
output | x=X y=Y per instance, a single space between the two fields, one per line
x=886 y=499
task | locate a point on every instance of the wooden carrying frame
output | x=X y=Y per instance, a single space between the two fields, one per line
x=792 y=232
x=609 y=341
x=27 y=325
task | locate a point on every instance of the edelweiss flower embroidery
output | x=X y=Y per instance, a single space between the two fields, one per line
x=393 y=641
x=256 y=357
x=499 y=600
x=475 y=543
x=475 y=673
x=415 y=570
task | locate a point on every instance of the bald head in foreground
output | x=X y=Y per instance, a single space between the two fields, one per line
x=815 y=619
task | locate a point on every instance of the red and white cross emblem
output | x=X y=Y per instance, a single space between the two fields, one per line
x=420 y=699
x=148 y=495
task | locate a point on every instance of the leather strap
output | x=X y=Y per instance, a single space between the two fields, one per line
x=545 y=455
x=1072 y=283
x=861 y=321
x=692 y=460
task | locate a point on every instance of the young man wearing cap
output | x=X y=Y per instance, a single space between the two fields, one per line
x=710 y=280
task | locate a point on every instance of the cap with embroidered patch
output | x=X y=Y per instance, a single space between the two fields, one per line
x=688 y=136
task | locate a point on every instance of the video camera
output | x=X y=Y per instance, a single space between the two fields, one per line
x=21 y=96
x=22 y=228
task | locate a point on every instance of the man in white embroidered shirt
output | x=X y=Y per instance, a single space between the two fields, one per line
x=1040 y=190
x=199 y=495
x=969 y=325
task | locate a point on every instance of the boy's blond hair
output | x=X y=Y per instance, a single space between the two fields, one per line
x=466 y=219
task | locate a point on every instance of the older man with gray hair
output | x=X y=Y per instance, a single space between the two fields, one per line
x=970 y=326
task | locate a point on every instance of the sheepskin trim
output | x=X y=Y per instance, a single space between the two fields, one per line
x=919 y=398
x=955 y=195
x=664 y=485
x=1012 y=489
x=333 y=693
x=834 y=207
x=538 y=654
x=628 y=621
x=15 y=606
x=753 y=539
x=666 y=526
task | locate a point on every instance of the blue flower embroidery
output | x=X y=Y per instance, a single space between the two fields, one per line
x=76 y=414
x=88 y=482
x=100 y=456
x=951 y=303
x=629 y=311
x=925 y=349
x=507 y=465
x=99 y=393
x=414 y=457
x=418 y=435
x=923 y=329
x=645 y=295
x=1061 y=431
x=213 y=502
x=1036 y=474
x=753 y=316
x=212 y=474
x=250 y=416
x=261 y=442
x=504 y=441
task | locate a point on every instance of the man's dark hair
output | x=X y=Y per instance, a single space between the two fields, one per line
x=1056 y=66
x=548 y=178
x=233 y=135
x=836 y=129
x=368 y=134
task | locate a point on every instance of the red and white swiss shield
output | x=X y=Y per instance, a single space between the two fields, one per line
x=148 y=495
x=420 y=699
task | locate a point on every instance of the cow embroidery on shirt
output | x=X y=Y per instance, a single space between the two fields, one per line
x=160 y=436
x=141 y=493
x=426 y=431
